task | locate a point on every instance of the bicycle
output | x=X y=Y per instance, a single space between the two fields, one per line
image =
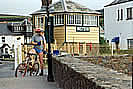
x=27 y=66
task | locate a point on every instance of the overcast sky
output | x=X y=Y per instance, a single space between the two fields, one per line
x=29 y=6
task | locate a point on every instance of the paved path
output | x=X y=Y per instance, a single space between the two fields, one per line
x=6 y=69
x=8 y=81
x=27 y=83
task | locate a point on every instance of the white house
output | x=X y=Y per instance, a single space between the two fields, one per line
x=8 y=40
x=118 y=22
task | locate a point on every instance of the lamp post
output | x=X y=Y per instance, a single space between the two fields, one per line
x=50 y=77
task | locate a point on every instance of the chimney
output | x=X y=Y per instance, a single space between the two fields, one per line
x=44 y=2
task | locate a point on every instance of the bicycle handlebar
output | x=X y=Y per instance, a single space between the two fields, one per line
x=44 y=52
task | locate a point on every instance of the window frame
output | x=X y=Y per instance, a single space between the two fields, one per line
x=6 y=50
x=71 y=19
x=121 y=14
x=78 y=19
x=130 y=43
x=58 y=19
x=129 y=13
x=118 y=15
x=90 y=20
x=74 y=19
x=3 y=39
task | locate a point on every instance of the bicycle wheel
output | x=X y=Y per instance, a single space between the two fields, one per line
x=21 y=70
x=35 y=69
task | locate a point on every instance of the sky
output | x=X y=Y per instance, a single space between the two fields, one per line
x=26 y=7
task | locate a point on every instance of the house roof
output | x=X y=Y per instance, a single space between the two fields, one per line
x=66 y=6
x=118 y=2
x=4 y=30
x=24 y=22
x=13 y=14
x=4 y=45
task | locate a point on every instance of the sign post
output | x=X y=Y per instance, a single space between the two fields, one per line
x=50 y=77
x=116 y=41
x=18 y=52
x=112 y=49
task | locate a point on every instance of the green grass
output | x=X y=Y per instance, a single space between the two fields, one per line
x=130 y=51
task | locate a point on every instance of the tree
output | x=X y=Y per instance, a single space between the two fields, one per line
x=102 y=41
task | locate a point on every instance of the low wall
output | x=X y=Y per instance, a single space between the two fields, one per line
x=121 y=63
x=73 y=73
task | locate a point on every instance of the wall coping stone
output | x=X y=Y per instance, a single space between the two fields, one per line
x=105 y=77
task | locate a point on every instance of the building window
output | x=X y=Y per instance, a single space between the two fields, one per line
x=90 y=20
x=59 y=19
x=36 y=21
x=77 y=19
x=2 y=50
x=3 y=39
x=129 y=13
x=118 y=15
x=121 y=14
x=6 y=50
x=70 y=19
x=74 y=19
x=94 y=20
x=15 y=28
x=39 y=21
x=130 y=43
x=29 y=29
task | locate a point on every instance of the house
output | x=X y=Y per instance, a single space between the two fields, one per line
x=118 y=22
x=18 y=24
x=75 y=26
x=101 y=22
x=8 y=40
x=4 y=51
x=24 y=27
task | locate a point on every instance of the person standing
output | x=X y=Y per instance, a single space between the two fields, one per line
x=39 y=42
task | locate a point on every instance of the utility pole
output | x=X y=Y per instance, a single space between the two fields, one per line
x=73 y=45
x=50 y=77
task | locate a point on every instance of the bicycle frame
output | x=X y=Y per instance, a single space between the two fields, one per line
x=28 y=66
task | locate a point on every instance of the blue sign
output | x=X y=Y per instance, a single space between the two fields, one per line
x=115 y=39
x=55 y=52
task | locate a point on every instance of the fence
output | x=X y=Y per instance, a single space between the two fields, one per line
x=93 y=49
x=26 y=48
x=99 y=50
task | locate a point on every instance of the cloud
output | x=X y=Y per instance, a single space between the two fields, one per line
x=29 y=6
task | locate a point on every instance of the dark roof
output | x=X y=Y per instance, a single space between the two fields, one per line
x=8 y=15
x=11 y=19
x=118 y=2
x=66 y=6
x=4 y=45
x=101 y=11
x=4 y=30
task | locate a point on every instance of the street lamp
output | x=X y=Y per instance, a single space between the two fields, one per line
x=50 y=77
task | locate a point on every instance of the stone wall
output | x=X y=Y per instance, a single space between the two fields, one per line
x=73 y=73
x=121 y=63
